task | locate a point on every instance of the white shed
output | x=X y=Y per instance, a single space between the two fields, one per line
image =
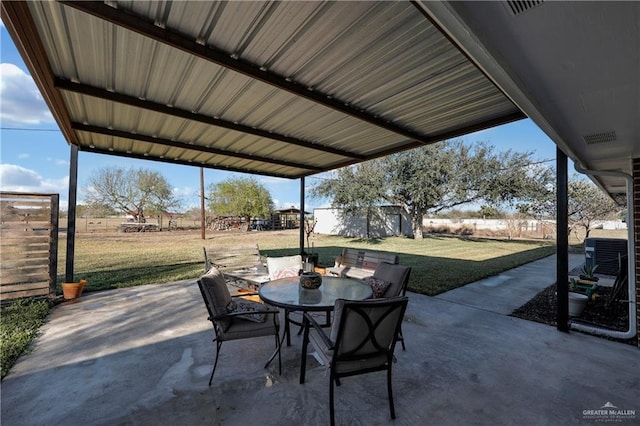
x=386 y=221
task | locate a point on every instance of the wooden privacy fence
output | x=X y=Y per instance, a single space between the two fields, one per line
x=29 y=242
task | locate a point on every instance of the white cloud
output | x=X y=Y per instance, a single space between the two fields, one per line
x=23 y=155
x=21 y=100
x=19 y=179
x=189 y=197
x=58 y=161
x=270 y=181
x=186 y=191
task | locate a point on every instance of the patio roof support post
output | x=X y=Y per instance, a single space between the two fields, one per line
x=71 y=213
x=202 y=210
x=302 y=215
x=562 y=241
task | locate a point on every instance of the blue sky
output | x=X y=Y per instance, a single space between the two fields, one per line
x=34 y=156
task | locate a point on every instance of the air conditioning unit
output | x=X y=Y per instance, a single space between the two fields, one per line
x=604 y=252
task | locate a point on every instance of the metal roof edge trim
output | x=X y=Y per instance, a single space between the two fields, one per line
x=19 y=23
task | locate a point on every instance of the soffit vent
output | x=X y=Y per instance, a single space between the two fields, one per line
x=519 y=6
x=600 y=137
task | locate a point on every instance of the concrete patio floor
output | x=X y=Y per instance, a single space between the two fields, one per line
x=143 y=355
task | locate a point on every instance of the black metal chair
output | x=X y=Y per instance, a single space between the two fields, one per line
x=398 y=277
x=252 y=319
x=362 y=340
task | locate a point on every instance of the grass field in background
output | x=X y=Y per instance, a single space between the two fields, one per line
x=439 y=263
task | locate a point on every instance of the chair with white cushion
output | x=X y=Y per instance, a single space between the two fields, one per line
x=285 y=267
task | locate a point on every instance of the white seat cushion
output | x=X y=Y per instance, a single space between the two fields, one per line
x=275 y=264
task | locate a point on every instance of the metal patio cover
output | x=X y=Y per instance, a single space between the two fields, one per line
x=284 y=89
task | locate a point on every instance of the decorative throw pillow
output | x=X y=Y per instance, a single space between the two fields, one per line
x=291 y=271
x=378 y=286
x=243 y=305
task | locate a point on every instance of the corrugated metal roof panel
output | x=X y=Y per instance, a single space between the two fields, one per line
x=199 y=134
x=383 y=60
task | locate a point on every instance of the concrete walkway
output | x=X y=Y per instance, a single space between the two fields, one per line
x=511 y=289
x=142 y=356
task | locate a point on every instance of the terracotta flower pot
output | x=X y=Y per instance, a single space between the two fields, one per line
x=72 y=290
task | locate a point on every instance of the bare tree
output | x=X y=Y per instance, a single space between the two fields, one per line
x=587 y=204
x=132 y=191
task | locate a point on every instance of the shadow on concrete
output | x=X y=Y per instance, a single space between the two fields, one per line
x=143 y=355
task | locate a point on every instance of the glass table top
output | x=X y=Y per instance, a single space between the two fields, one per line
x=287 y=293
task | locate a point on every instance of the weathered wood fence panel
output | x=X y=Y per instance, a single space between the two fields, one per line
x=29 y=243
x=230 y=258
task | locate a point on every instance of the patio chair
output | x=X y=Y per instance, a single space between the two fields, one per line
x=284 y=267
x=362 y=340
x=236 y=318
x=398 y=277
x=619 y=290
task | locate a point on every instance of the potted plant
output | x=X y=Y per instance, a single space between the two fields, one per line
x=311 y=257
x=588 y=273
x=577 y=299
x=587 y=282
x=73 y=290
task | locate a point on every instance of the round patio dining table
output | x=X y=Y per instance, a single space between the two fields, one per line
x=286 y=293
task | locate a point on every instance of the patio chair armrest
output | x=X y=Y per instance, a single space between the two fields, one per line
x=313 y=323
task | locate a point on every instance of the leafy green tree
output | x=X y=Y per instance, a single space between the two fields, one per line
x=489 y=212
x=434 y=178
x=355 y=189
x=244 y=197
x=130 y=191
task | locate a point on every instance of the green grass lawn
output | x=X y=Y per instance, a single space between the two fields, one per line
x=113 y=260
x=19 y=324
x=439 y=263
